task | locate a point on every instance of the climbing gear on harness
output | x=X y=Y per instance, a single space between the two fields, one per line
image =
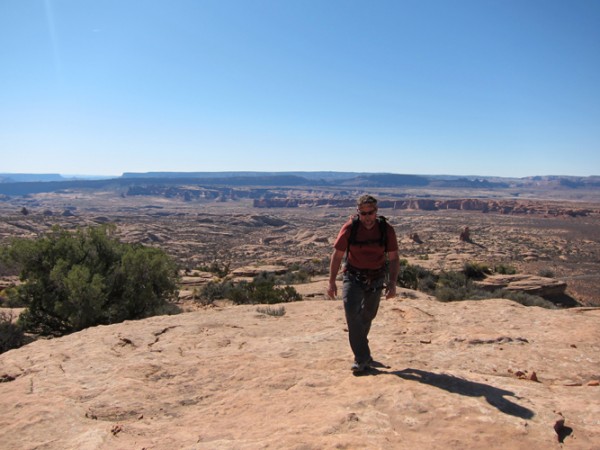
x=364 y=276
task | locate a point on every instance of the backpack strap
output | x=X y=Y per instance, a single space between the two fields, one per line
x=353 y=230
x=383 y=232
x=382 y=222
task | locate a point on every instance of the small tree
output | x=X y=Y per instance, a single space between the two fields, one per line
x=415 y=277
x=475 y=270
x=73 y=280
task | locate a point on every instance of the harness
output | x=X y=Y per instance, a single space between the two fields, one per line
x=365 y=276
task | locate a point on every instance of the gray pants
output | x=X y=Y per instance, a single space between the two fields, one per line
x=361 y=302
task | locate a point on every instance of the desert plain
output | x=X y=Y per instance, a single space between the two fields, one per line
x=469 y=374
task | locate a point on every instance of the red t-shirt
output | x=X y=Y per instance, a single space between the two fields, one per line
x=366 y=256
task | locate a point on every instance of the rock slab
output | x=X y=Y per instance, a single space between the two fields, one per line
x=449 y=376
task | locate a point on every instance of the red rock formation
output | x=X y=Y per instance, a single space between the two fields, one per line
x=465 y=235
x=421 y=204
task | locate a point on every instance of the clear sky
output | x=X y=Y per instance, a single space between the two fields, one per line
x=461 y=87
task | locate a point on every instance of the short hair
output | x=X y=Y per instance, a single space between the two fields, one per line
x=366 y=200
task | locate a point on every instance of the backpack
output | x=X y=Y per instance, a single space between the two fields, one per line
x=382 y=241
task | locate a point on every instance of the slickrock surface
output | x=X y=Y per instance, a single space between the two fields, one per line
x=452 y=376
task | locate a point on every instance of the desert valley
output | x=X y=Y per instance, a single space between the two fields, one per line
x=468 y=374
x=553 y=229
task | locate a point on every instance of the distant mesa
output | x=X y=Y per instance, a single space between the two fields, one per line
x=23 y=184
x=29 y=177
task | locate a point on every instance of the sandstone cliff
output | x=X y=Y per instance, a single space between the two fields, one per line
x=497 y=206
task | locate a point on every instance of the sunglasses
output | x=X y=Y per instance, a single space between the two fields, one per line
x=367 y=213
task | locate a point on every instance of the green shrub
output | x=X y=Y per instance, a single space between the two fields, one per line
x=413 y=276
x=317 y=266
x=294 y=277
x=213 y=290
x=525 y=299
x=453 y=280
x=428 y=282
x=476 y=270
x=262 y=289
x=447 y=294
x=310 y=268
x=451 y=286
x=547 y=273
x=9 y=299
x=74 y=280
x=220 y=270
x=11 y=334
x=504 y=269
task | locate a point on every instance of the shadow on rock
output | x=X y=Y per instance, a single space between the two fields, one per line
x=563 y=300
x=493 y=395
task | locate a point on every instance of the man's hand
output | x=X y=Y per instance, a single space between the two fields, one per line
x=332 y=290
x=390 y=290
x=334 y=267
x=394 y=259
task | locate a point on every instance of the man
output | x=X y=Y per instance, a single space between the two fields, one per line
x=365 y=240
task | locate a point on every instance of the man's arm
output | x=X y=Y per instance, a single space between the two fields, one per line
x=334 y=266
x=394 y=260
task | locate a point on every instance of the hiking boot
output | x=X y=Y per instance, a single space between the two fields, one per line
x=360 y=366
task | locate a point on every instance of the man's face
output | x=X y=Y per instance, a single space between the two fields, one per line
x=367 y=215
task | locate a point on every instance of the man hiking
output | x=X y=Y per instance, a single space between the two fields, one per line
x=369 y=244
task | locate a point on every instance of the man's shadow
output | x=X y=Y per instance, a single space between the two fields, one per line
x=493 y=395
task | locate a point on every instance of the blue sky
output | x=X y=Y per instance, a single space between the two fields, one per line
x=461 y=87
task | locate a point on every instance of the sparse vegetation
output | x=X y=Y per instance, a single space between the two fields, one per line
x=413 y=276
x=219 y=269
x=504 y=269
x=271 y=310
x=74 y=280
x=525 y=299
x=452 y=286
x=315 y=266
x=294 y=277
x=214 y=290
x=264 y=288
x=546 y=273
x=448 y=286
x=475 y=270
x=409 y=294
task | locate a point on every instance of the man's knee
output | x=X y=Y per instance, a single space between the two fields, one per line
x=369 y=315
x=371 y=306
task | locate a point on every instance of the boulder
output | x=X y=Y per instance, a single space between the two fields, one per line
x=252 y=271
x=530 y=284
